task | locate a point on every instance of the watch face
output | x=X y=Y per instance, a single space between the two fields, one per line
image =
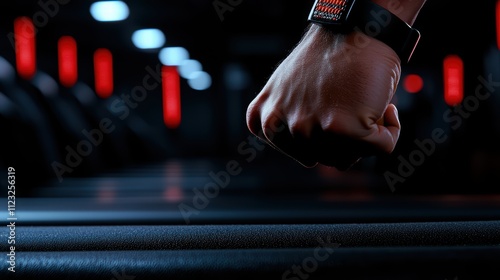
x=332 y=12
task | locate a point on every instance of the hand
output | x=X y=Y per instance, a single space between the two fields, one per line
x=328 y=102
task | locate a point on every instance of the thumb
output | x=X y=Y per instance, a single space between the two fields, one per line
x=386 y=133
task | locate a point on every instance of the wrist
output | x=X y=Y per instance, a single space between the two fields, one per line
x=367 y=16
x=349 y=46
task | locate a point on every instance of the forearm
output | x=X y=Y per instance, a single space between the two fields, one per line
x=407 y=10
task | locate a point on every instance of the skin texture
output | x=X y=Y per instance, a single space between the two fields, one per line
x=329 y=100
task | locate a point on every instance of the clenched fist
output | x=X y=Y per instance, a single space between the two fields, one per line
x=328 y=101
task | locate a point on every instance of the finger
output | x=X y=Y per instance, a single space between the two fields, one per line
x=253 y=117
x=278 y=135
x=392 y=123
x=385 y=136
x=338 y=151
x=274 y=131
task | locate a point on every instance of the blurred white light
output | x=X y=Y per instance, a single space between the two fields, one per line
x=109 y=10
x=149 y=38
x=200 y=80
x=173 y=56
x=189 y=66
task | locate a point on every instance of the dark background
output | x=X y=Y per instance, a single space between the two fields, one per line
x=239 y=53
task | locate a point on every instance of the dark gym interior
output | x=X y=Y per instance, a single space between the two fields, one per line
x=112 y=181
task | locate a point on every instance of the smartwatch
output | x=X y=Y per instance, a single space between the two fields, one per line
x=345 y=16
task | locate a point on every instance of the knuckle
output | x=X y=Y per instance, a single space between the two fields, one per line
x=300 y=129
x=253 y=118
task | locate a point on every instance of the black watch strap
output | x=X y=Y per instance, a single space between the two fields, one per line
x=372 y=19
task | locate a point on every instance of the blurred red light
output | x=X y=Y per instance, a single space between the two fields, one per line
x=171 y=96
x=453 y=80
x=25 y=47
x=67 y=54
x=103 y=72
x=498 y=23
x=413 y=83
